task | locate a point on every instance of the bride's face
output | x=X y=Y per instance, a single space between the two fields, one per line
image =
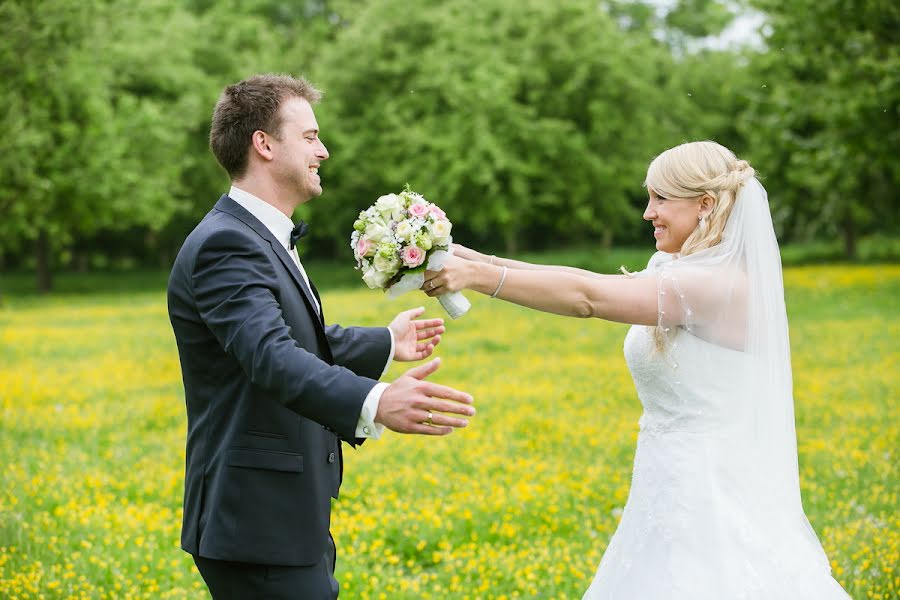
x=674 y=219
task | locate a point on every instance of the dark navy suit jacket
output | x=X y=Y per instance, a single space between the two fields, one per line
x=270 y=392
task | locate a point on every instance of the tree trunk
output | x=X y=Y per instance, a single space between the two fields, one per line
x=82 y=262
x=849 y=237
x=607 y=239
x=42 y=251
x=511 y=239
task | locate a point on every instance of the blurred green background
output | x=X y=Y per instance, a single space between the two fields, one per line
x=530 y=122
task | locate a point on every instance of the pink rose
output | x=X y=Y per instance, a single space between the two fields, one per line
x=418 y=210
x=364 y=247
x=413 y=256
x=437 y=212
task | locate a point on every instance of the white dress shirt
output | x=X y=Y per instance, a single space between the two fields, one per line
x=281 y=226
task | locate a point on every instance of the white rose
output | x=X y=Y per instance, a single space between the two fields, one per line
x=404 y=230
x=376 y=232
x=387 y=202
x=375 y=279
x=390 y=206
x=441 y=232
x=387 y=265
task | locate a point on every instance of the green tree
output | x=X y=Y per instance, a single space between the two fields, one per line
x=698 y=18
x=823 y=118
x=523 y=119
x=109 y=106
x=93 y=115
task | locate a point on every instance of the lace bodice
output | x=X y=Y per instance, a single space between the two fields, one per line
x=692 y=385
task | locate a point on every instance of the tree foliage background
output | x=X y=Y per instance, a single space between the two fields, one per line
x=530 y=122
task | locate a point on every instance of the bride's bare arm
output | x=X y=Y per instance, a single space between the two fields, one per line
x=474 y=255
x=622 y=299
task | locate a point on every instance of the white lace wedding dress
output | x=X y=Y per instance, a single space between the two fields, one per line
x=699 y=523
x=714 y=511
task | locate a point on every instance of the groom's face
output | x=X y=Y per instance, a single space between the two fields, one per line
x=299 y=151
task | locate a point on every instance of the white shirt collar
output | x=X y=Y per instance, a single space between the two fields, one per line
x=275 y=221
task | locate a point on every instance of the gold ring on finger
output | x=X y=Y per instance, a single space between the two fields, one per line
x=429 y=421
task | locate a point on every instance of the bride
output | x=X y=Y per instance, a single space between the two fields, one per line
x=714 y=511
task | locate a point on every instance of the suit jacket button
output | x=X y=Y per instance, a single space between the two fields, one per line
x=331 y=457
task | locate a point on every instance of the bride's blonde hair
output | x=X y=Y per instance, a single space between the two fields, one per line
x=695 y=169
x=692 y=170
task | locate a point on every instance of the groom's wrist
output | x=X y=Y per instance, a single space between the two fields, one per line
x=367 y=426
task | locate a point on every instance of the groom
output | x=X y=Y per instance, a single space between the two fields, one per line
x=271 y=390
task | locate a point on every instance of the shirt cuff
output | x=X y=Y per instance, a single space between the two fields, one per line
x=366 y=427
x=390 y=357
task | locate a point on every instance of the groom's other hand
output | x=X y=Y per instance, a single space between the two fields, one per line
x=408 y=404
x=415 y=339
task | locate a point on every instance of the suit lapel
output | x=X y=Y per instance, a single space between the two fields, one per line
x=226 y=204
x=315 y=292
x=308 y=291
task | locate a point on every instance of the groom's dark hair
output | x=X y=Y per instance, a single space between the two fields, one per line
x=250 y=105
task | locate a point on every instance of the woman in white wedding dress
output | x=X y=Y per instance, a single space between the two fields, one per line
x=714 y=511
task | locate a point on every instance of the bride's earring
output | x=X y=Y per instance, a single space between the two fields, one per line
x=702 y=225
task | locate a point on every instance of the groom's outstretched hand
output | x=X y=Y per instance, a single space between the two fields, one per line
x=407 y=405
x=415 y=339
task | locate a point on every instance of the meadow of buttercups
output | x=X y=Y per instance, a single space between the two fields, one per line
x=521 y=504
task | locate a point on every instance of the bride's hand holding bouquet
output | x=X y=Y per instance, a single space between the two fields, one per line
x=468 y=269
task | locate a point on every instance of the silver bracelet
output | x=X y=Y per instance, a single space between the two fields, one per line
x=492 y=259
x=500 y=285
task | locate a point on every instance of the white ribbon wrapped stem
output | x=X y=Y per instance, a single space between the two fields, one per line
x=454 y=303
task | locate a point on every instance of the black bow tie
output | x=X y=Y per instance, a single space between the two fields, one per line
x=299 y=230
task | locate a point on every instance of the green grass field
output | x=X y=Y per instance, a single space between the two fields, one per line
x=519 y=505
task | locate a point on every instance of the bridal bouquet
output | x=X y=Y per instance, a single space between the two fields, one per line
x=396 y=239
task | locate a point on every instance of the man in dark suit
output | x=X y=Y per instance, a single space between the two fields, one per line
x=271 y=390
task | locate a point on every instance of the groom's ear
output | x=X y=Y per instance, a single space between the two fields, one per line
x=259 y=144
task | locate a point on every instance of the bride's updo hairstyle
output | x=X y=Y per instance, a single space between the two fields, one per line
x=692 y=170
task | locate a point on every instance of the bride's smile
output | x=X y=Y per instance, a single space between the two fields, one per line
x=673 y=219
